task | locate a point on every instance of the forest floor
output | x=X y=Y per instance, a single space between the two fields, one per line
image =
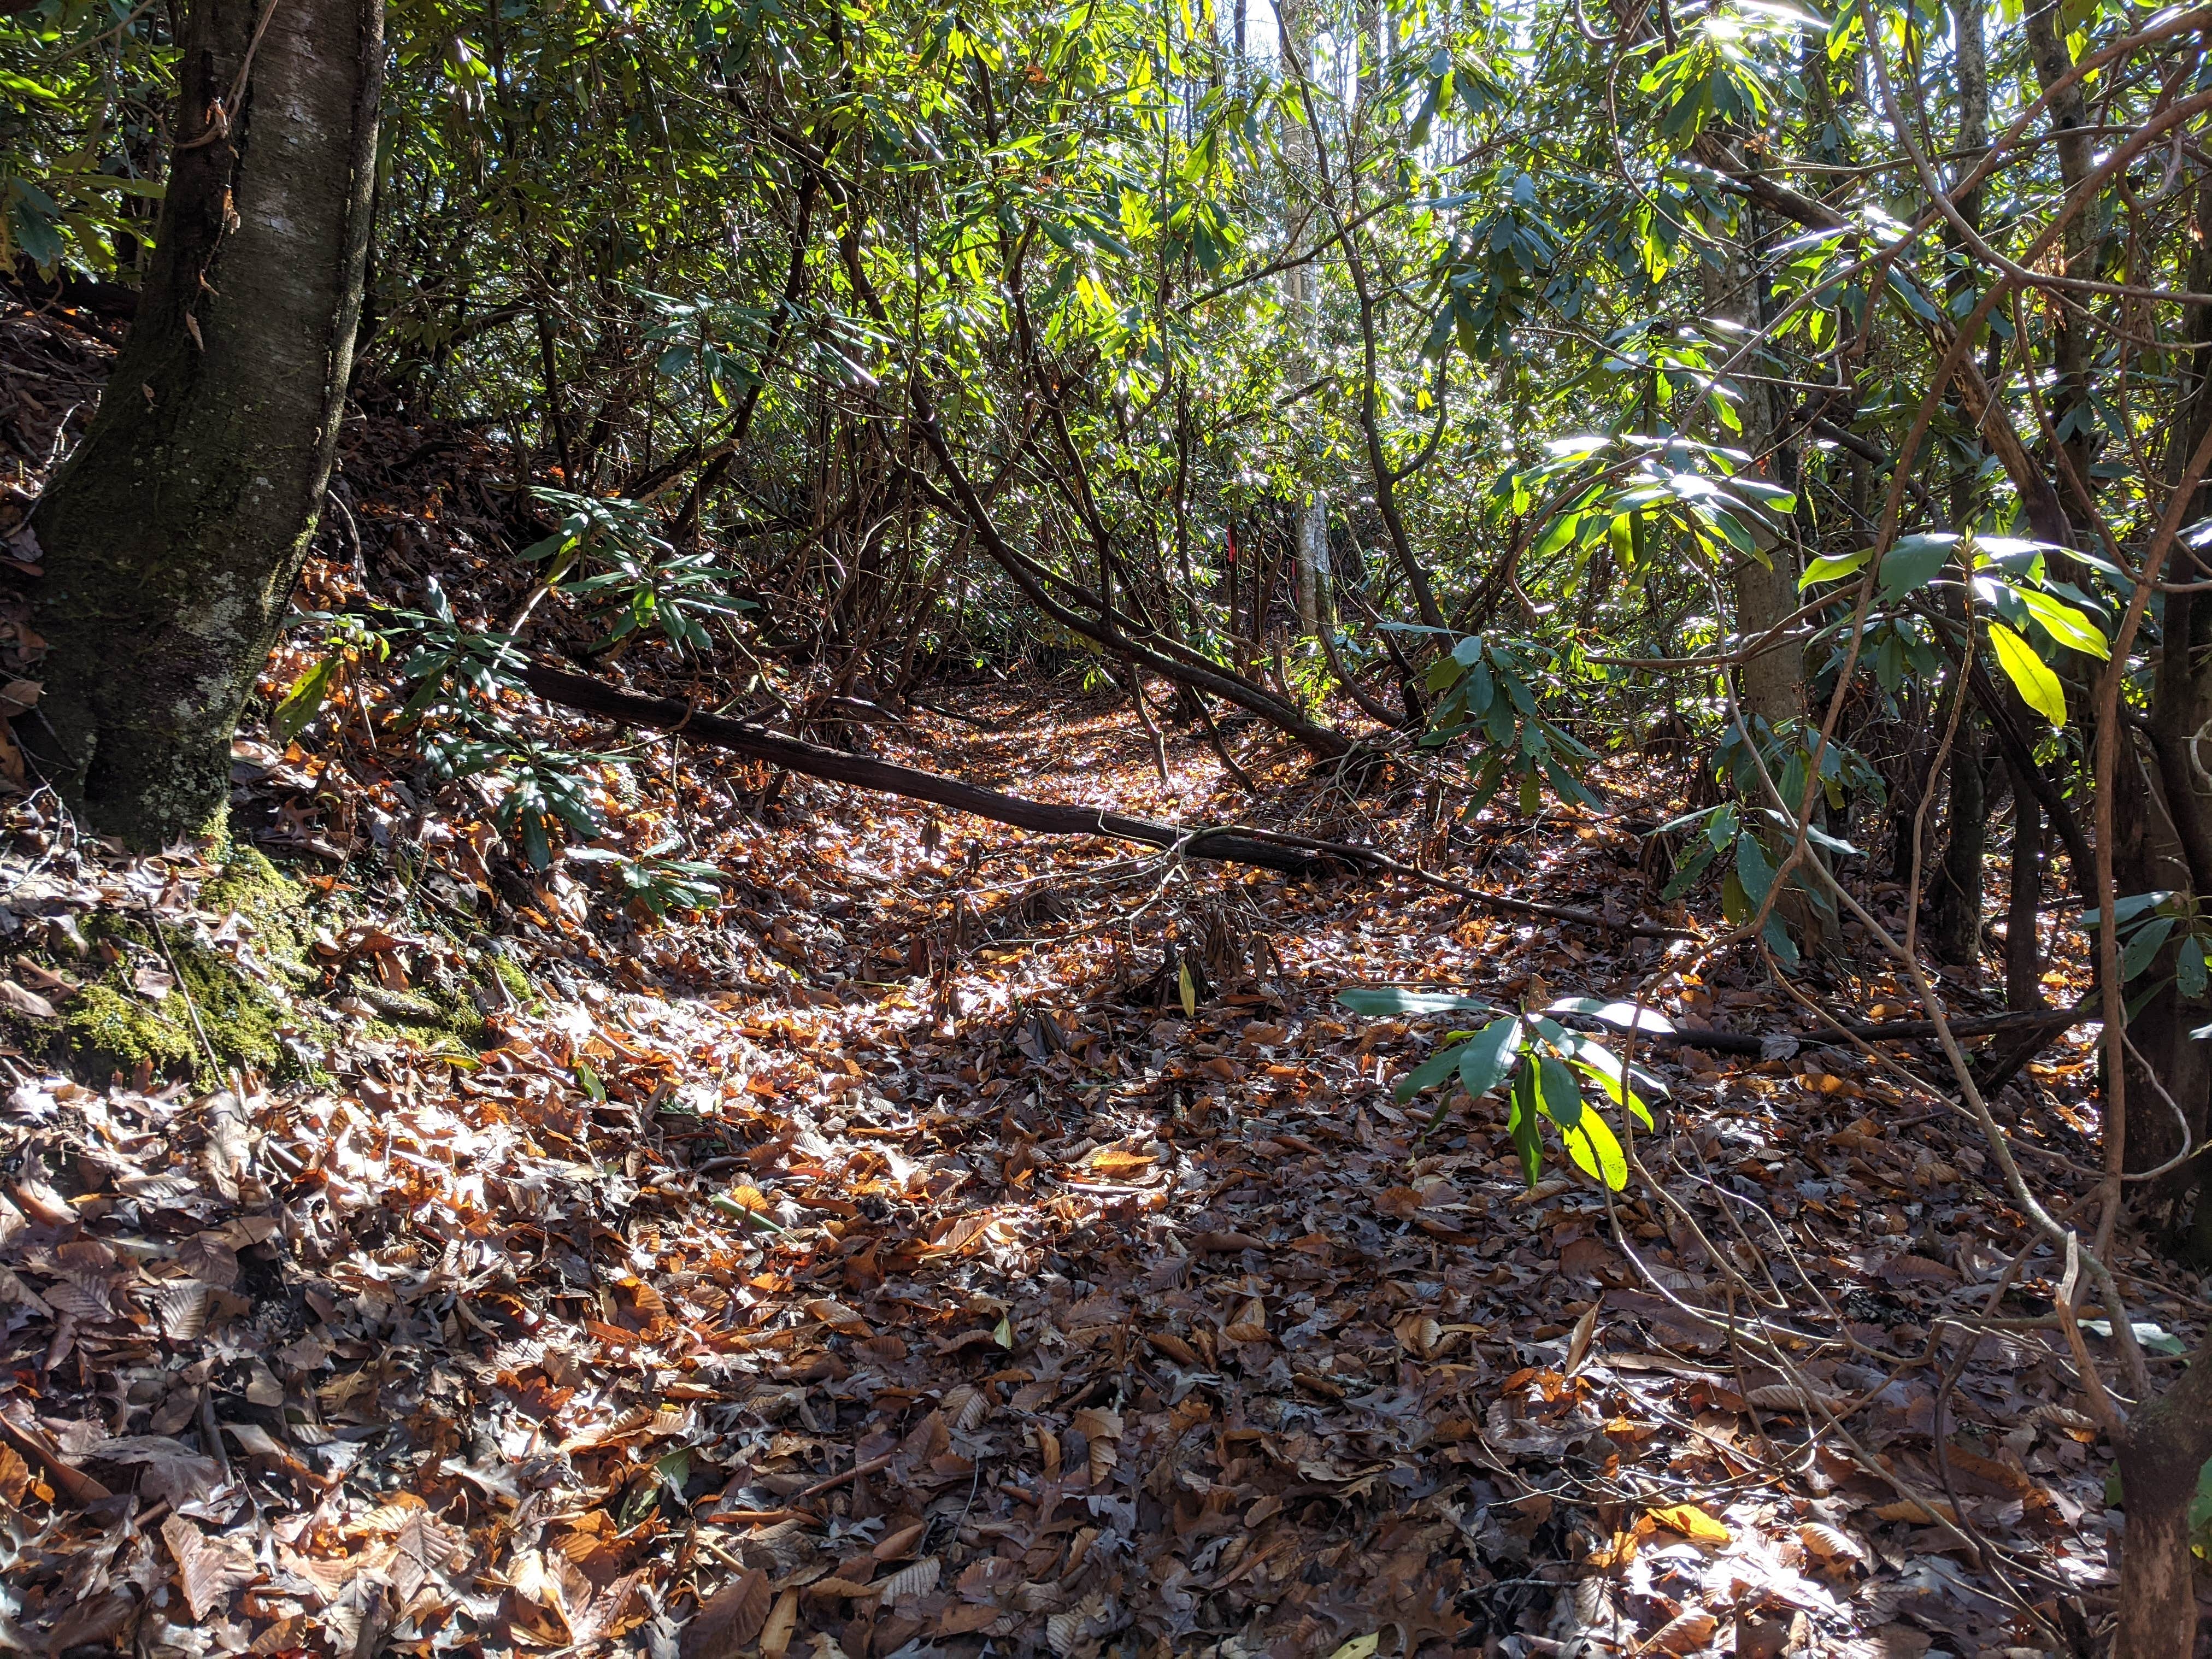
x=904 y=1256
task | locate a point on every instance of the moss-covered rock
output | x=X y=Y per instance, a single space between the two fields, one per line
x=104 y=1028
x=425 y=1015
x=109 y=1025
x=249 y=998
x=273 y=904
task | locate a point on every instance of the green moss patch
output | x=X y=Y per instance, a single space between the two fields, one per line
x=278 y=910
x=108 y=1025
x=106 y=1029
x=513 y=978
x=243 y=1013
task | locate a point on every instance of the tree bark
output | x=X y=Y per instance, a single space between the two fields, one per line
x=2023 y=949
x=2164 y=809
x=1304 y=310
x=2167 y=1442
x=1772 y=683
x=1956 y=936
x=173 y=537
x=1955 y=933
x=2070 y=411
x=1386 y=478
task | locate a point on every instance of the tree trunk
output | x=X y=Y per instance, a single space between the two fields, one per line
x=2070 y=412
x=1772 y=683
x=1955 y=933
x=174 y=536
x=2168 y=1441
x=1304 y=308
x=2148 y=857
x=2164 y=811
x=1385 y=478
x=2023 y=949
x=1956 y=936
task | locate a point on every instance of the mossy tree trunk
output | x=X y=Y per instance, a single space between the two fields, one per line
x=174 y=536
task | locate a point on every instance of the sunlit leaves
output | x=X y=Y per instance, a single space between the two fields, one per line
x=655 y=885
x=2067 y=624
x=1486 y=281
x=1489 y=1056
x=1710 y=77
x=1833 y=567
x=644 y=586
x=1492 y=694
x=78 y=83
x=1542 y=1059
x=2038 y=686
x=1390 y=1000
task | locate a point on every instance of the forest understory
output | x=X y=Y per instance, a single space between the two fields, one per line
x=950 y=1240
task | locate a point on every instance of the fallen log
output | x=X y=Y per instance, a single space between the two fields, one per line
x=2049 y=1021
x=591 y=696
x=1376 y=862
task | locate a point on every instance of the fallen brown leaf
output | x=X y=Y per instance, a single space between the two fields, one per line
x=729 y=1621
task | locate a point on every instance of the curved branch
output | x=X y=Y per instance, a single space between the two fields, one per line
x=592 y=696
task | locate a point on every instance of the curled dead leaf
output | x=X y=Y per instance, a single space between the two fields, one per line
x=1692 y=1523
x=1918 y=1515
x=915 y=1578
x=1789 y=1397
x=1250 y=1324
x=1173 y=1346
x=782 y=1620
x=1901 y=1270
x=14 y=996
x=965 y=1406
x=900 y=1543
x=41 y=1202
x=1831 y=1547
x=181 y=1304
x=1403 y=1202
x=1579 y=1339
x=1226 y=1244
x=1117 y=1161
x=1095 y=1423
x=208 y=1568
x=838 y=1317
x=1419 y=1335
